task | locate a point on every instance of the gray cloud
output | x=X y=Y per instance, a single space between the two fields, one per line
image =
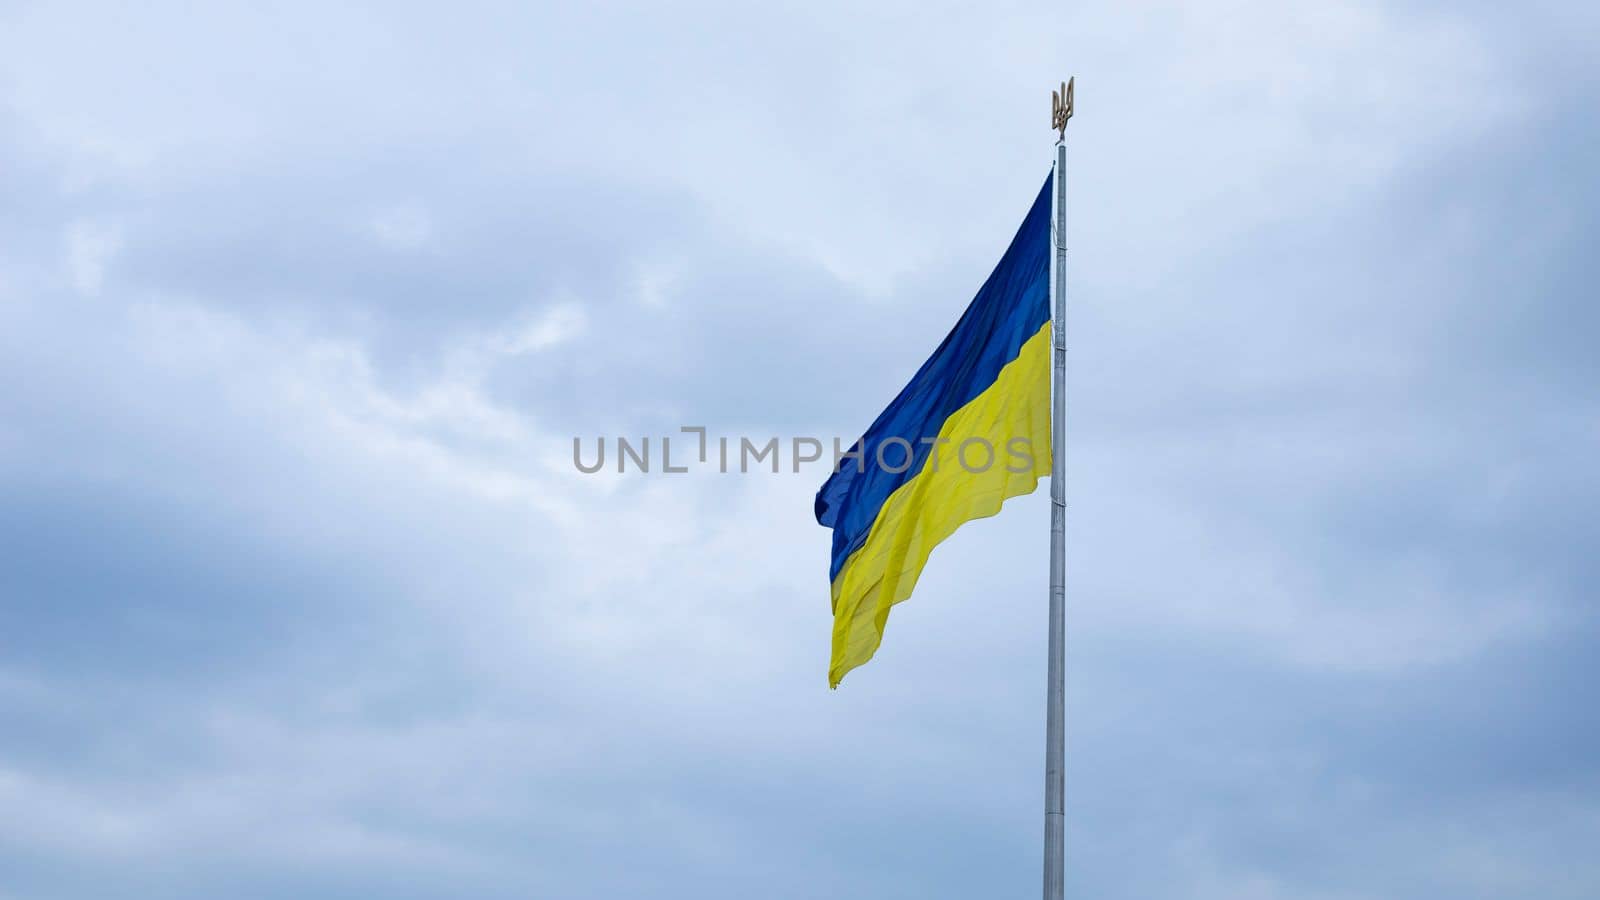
x=301 y=597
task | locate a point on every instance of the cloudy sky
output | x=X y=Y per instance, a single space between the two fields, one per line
x=301 y=306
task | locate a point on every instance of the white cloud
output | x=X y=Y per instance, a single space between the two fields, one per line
x=90 y=248
x=402 y=227
x=514 y=670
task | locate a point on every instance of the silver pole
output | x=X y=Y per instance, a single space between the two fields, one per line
x=1055 y=709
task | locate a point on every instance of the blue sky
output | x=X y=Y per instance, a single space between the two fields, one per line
x=300 y=308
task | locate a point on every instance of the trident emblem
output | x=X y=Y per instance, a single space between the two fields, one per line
x=1061 y=108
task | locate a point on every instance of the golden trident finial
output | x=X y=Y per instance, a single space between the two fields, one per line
x=1061 y=108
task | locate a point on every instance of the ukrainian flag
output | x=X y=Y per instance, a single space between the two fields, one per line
x=970 y=430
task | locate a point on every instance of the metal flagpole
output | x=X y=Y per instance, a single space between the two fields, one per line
x=1055 y=709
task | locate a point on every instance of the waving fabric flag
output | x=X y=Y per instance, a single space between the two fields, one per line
x=971 y=430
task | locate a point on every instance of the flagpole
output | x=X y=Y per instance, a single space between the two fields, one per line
x=1055 y=708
